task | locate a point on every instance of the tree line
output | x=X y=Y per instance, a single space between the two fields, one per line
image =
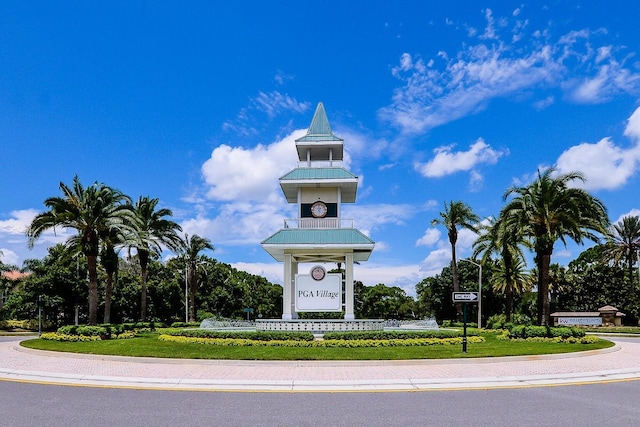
x=91 y=267
x=535 y=217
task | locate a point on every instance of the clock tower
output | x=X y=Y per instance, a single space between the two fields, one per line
x=319 y=186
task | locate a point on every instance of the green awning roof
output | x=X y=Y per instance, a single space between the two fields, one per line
x=333 y=236
x=318 y=173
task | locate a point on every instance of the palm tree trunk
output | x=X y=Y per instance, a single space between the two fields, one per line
x=193 y=287
x=544 y=262
x=456 y=282
x=508 y=262
x=92 y=266
x=107 y=298
x=143 y=256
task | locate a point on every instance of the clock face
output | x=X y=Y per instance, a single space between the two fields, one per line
x=318 y=273
x=318 y=210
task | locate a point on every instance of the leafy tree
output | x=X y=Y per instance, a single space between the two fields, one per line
x=386 y=302
x=153 y=232
x=456 y=215
x=59 y=278
x=549 y=210
x=94 y=212
x=590 y=284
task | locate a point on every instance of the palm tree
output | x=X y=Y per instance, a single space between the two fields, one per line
x=153 y=232
x=193 y=246
x=109 y=261
x=94 y=212
x=515 y=279
x=504 y=239
x=548 y=210
x=456 y=214
x=623 y=243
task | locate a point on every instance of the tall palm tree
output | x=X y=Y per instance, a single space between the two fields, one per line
x=504 y=239
x=548 y=210
x=193 y=246
x=94 y=212
x=109 y=261
x=153 y=232
x=456 y=215
x=623 y=243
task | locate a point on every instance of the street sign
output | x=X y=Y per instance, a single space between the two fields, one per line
x=465 y=297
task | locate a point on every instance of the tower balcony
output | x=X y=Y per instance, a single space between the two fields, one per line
x=318 y=223
x=321 y=164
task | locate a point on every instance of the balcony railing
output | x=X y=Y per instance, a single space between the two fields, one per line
x=318 y=223
x=321 y=164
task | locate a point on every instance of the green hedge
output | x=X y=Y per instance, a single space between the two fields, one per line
x=396 y=335
x=245 y=335
x=185 y=325
x=108 y=330
x=524 y=332
x=242 y=342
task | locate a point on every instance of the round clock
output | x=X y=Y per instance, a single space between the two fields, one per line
x=318 y=210
x=318 y=273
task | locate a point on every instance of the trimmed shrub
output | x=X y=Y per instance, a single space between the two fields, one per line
x=246 y=335
x=524 y=332
x=324 y=343
x=389 y=335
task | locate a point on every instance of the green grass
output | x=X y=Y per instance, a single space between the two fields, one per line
x=149 y=346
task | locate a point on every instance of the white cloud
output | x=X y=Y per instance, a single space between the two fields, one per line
x=241 y=174
x=632 y=212
x=7 y=256
x=372 y=217
x=446 y=161
x=271 y=104
x=543 y=103
x=430 y=237
x=18 y=223
x=464 y=83
x=633 y=125
x=605 y=165
x=435 y=261
x=14 y=240
x=274 y=103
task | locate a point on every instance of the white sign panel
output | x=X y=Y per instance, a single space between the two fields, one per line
x=585 y=321
x=465 y=297
x=318 y=295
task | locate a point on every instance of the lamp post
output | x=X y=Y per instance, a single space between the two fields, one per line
x=186 y=295
x=479 y=290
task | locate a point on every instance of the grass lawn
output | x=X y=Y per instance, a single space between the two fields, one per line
x=148 y=345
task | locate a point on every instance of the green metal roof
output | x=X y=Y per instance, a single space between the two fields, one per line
x=318 y=173
x=333 y=236
x=319 y=129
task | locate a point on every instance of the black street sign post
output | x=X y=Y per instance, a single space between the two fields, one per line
x=465 y=298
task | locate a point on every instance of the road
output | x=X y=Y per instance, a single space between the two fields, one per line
x=586 y=405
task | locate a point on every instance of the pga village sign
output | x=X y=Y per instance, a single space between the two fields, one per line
x=318 y=291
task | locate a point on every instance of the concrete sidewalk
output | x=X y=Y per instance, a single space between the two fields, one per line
x=621 y=362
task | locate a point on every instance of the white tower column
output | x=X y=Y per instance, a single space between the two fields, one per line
x=348 y=287
x=286 y=288
x=294 y=271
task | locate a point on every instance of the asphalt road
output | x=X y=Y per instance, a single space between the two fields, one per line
x=586 y=405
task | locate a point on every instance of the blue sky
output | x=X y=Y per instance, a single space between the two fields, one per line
x=198 y=104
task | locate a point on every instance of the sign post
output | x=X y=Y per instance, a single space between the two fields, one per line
x=465 y=298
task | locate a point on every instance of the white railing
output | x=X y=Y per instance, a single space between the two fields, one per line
x=318 y=223
x=320 y=164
